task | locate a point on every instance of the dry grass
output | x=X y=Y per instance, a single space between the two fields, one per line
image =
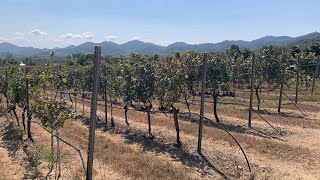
x=292 y=119
x=132 y=162
x=262 y=145
x=125 y=153
x=276 y=150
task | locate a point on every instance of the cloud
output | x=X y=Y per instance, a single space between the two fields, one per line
x=136 y=38
x=21 y=38
x=112 y=38
x=19 y=34
x=37 y=32
x=165 y=43
x=3 y=40
x=85 y=35
x=57 y=40
x=72 y=36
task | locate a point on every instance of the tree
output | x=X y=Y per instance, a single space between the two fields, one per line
x=217 y=78
x=144 y=80
x=28 y=61
x=52 y=114
x=172 y=83
x=314 y=48
x=114 y=81
x=233 y=54
x=128 y=87
x=191 y=65
x=15 y=90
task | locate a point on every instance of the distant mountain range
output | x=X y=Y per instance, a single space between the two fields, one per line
x=111 y=48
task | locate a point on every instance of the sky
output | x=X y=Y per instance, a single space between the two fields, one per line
x=60 y=23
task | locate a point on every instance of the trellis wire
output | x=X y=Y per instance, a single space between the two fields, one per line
x=266 y=121
x=64 y=141
x=229 y=135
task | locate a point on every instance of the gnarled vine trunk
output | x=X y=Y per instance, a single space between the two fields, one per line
x=29 y=125
x=75 y=103
x=148 y=108
x=24 y=118
x=176 y=123
x=13 y=108
x=161 y=104
x=258 y=97
x=126 y=113
x=215 y=99
x=111 y=109
x=188 y=106
x=70 y=100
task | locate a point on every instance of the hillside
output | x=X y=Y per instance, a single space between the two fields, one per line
x=135 y=46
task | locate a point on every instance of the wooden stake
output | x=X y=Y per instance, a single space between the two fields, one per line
x=315 y=76
x=27 y=107
x=297 y=81
x=93 y=115
x=105 y=98
x=203 y=89
x=281 y=88
x=251 y=88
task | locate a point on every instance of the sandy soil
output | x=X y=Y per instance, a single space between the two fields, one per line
x=293 y=154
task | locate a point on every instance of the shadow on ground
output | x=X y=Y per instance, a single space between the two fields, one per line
x=160 y=146
x=13 y=140
x=265 y=133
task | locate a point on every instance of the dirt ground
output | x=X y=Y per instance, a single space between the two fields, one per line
x=126 y=152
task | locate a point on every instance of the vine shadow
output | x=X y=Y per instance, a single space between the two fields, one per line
x=13 y=141
x=231 y=127
x=160 y=146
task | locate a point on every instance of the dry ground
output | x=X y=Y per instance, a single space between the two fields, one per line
x=127 y=153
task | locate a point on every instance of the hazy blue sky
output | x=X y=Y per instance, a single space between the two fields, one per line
x=58 y=23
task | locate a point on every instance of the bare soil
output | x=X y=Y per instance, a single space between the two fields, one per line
x=127 y=152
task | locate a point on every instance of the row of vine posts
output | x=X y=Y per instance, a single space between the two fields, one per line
x=94 y=97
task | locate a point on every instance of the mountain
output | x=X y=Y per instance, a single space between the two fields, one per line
x=141 y=47
x=19 y=51
x=306 y=40
x=135 y=46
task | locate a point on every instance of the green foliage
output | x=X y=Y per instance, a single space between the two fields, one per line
x=142 y=78
x=128 y=85
x=269 y=66
x=28 y=61
x=217 y=73
x=314 y=48
x=51 y=113
x=14 y=88
x=170 y=82
x=82 y=59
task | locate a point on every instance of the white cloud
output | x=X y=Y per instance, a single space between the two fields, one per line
x=87 y=35
x=136 y=38
x=3 y=40
x=111 y=38
x=37 y=32
x=57 y=40
x=72 y=36
x=21 y=38
x=19 y=34
x=165 y=43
